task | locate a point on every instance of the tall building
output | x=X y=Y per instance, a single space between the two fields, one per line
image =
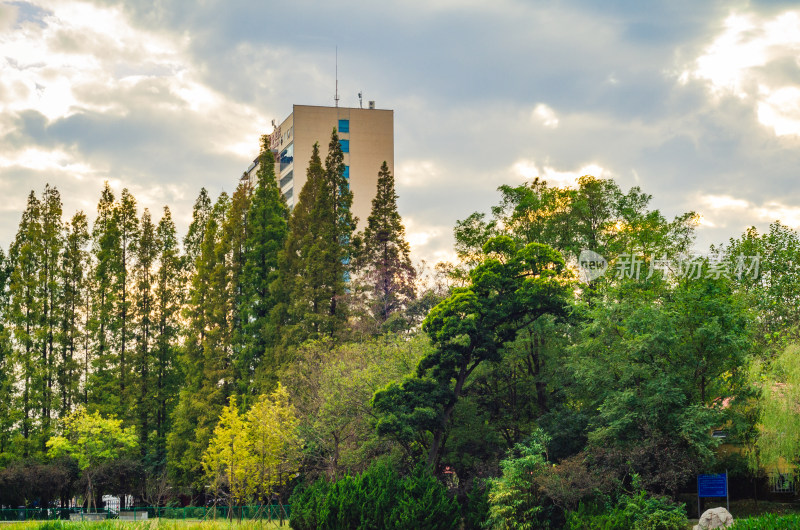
x=367 y=139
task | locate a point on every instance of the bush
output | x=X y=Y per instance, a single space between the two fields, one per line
x=638 y=511
x=378 y=498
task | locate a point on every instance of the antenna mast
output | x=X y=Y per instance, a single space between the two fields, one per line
x=336 y=96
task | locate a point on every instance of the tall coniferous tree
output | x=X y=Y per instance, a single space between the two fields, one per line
x=8 y=412
x=385 y=262
x=236 y=237
x=102 y=393
x=25 y=314
x=205 y=362
x=127 y=222
x=319 y=247
x=292 y=286
x=168 y=297
x=49 y=286
x=146 y=253
x=194 y=236
x=267 y=232
x=74 y=265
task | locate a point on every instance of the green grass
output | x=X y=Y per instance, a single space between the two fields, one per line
x=768 y=522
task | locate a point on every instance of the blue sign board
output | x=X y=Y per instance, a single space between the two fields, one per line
x=712 y=485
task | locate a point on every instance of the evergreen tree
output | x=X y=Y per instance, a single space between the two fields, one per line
x=128 y=226
x=319 y=248
x=146 y=254
x=384 y=261
x=168 y=296
x=7 y=409
x=25 y=315
x=74 y=266
x=267 y=232
x=232 y=290
x=194 y=236
x=49 y=291
x=102 y=393
x=288 y=315
x=206 y=361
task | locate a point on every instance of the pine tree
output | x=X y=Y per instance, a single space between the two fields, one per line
x=8 y=412
x=168 y=297
x=267 y=232
x=146 y=253
x=384 y=262
x=128 y=226
x=235 y=236
x=194 y=236
x=74 y=266
x=319 y=248
x=49 y=291
x=206 y=361
x=292 y=302
x=102 y=392
x=25 y=315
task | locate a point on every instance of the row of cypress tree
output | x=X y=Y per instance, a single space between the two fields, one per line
x=120 y=319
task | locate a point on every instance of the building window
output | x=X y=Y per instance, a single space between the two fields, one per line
x=344 y=126
x=345 y=145
x=347 y=172
x=286 y=157
x=287 y=179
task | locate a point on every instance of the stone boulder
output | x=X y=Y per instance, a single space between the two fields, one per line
x=714 y=518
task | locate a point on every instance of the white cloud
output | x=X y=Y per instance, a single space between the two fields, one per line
x=529 y=170
x=545 y=115
x=721 y=210
x=8 y=16
x=415 y=173
x=747 y=59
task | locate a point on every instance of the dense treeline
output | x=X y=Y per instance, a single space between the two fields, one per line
x=270 y=351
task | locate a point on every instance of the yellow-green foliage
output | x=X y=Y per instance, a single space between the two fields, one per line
x=252 y=453
x=91 y=439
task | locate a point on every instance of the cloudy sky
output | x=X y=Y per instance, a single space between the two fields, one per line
x=696 y=102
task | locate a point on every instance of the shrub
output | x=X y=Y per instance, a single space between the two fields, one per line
x=639 y=511
x=378 y=498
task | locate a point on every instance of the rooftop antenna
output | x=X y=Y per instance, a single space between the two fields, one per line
x=360 y=102
x=336 y=96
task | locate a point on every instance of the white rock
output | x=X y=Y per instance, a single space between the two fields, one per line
x=714 y=518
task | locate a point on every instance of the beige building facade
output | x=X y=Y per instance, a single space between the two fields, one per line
x=366 y=137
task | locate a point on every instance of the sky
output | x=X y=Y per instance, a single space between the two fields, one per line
x=697 y=103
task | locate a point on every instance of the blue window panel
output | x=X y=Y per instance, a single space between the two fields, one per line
x=345 y=145
x=344 y=126
x=347 y=172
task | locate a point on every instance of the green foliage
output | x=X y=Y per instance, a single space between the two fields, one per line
x=638 y=511
x=779 y=422
x=92 y=440
x=654 y=360
x=331 y=386
x=475 y=508
x=377 y=498
x=766 y=271
x=515 y=500
x=227 y=460
x=253 y=454
x=316 y=262
x=384 y=262
x=509 y=290
x=267 y=231
x=768 y=522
